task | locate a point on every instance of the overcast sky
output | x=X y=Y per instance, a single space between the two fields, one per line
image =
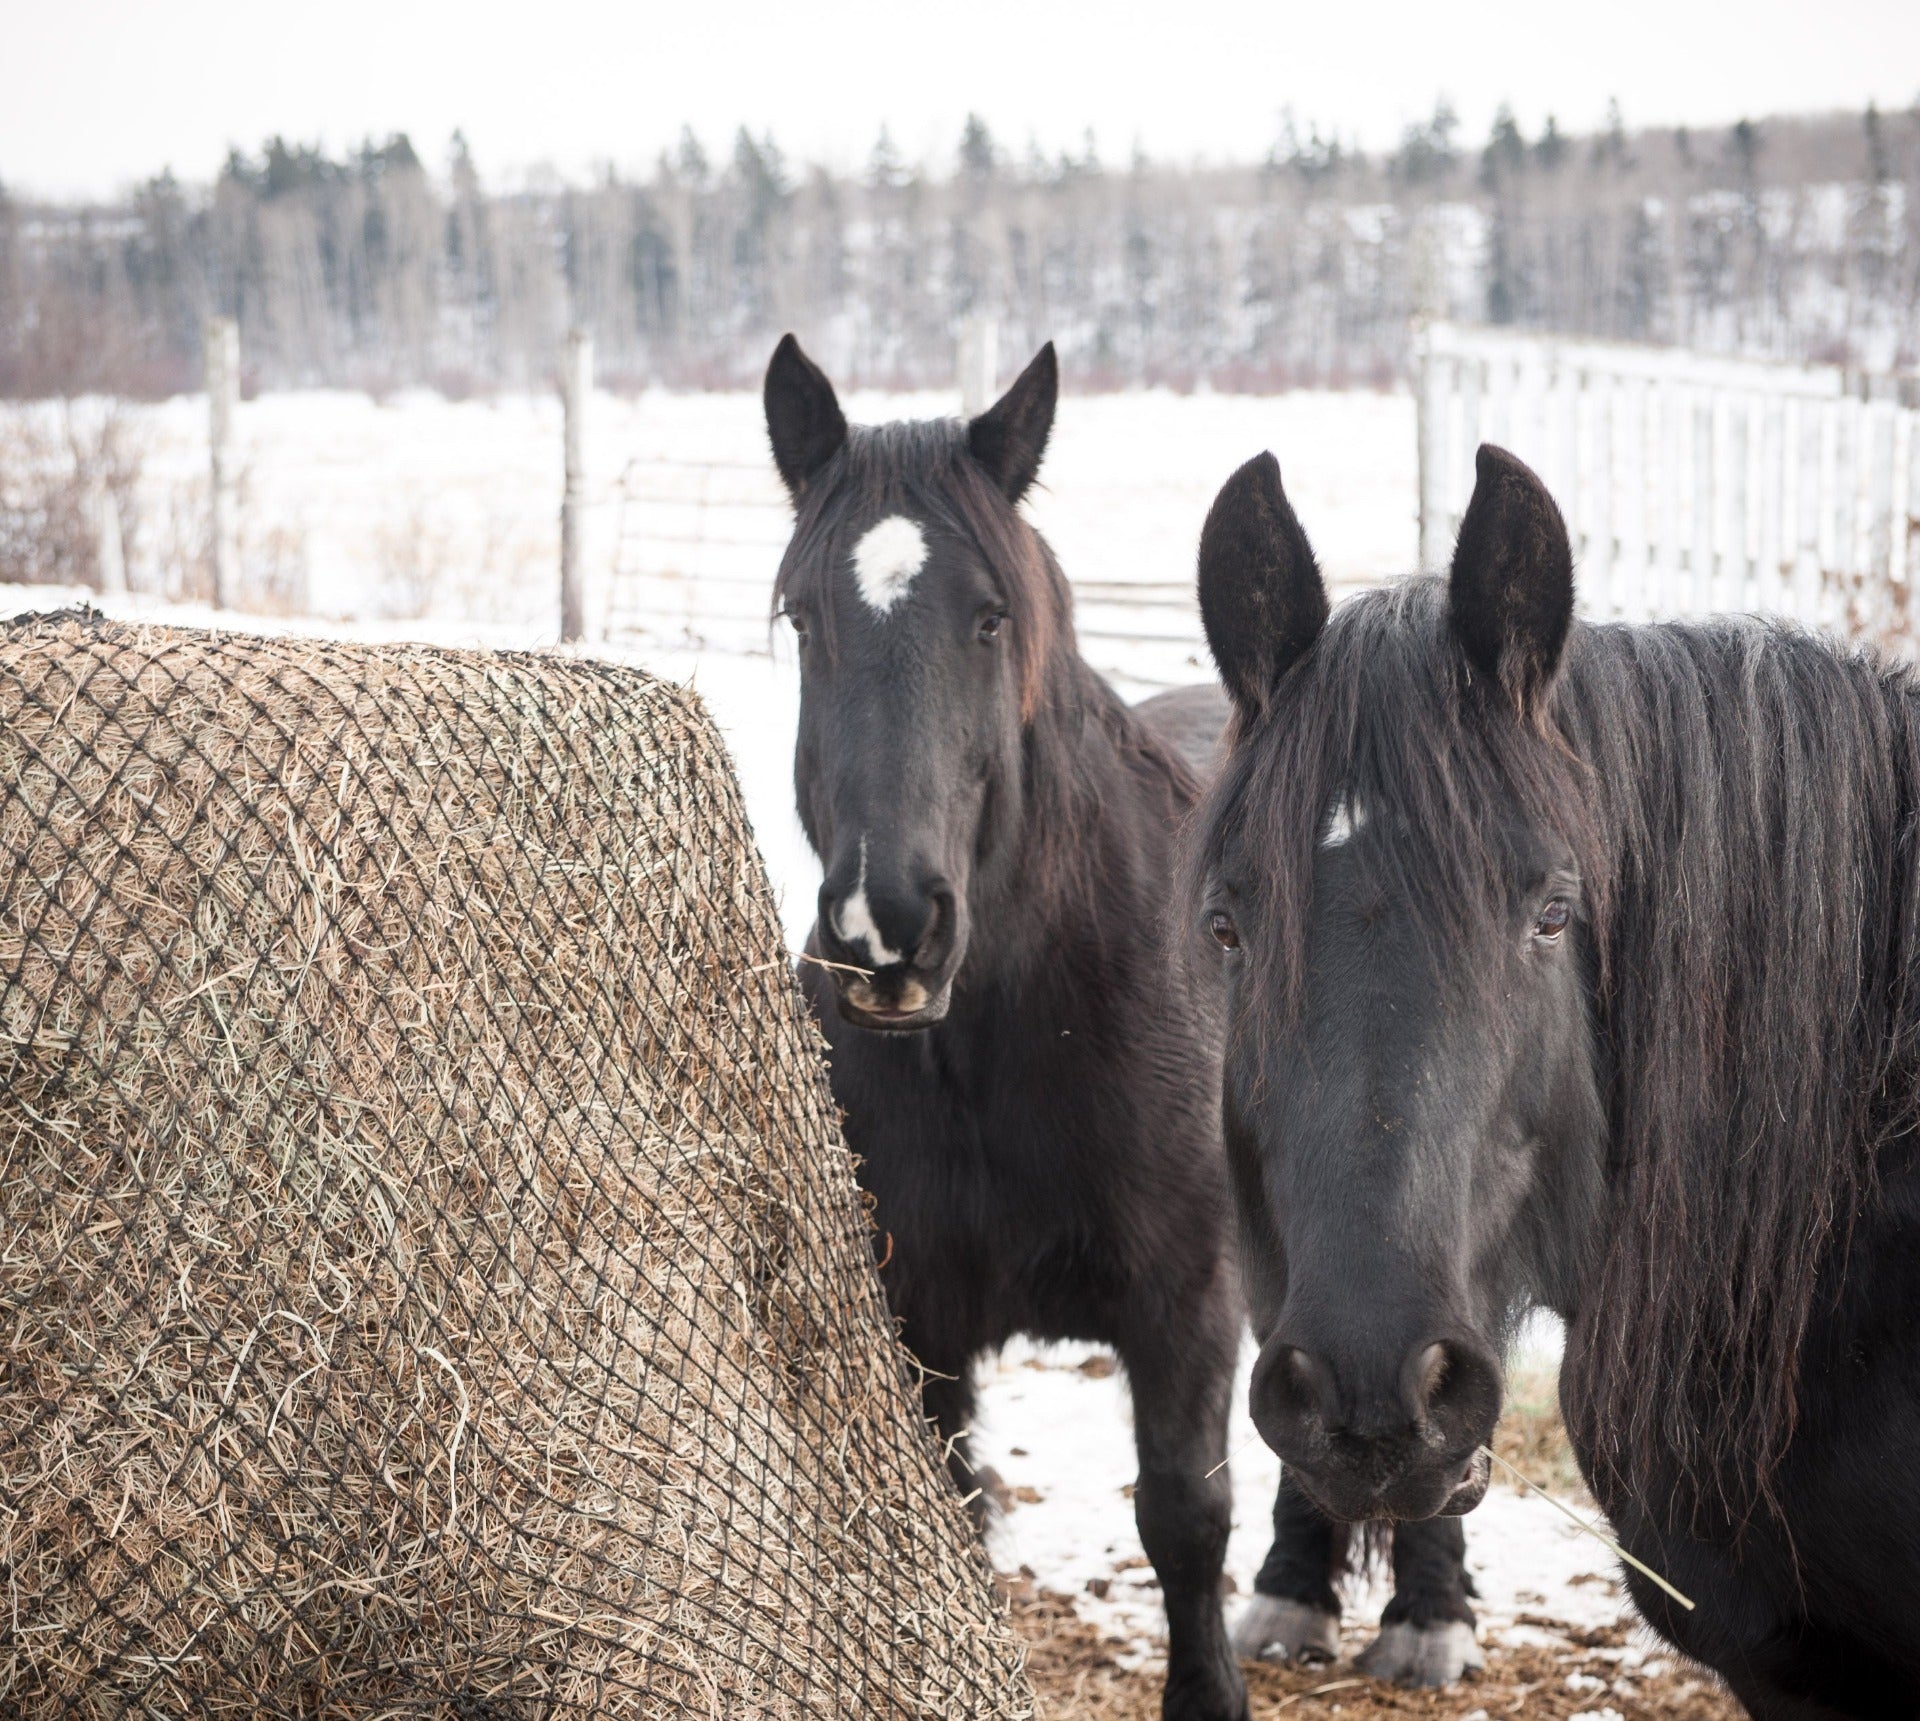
x=95 y=94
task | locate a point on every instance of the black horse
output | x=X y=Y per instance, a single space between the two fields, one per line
x=1580 y=965
x=1032 y=1092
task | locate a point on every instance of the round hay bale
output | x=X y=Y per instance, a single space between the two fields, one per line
x=433 y=1282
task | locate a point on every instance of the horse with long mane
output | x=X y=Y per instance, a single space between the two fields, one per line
x=1579 y=966
x=1032 y=1093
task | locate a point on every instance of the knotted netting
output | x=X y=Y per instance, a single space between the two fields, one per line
x=432 y=1279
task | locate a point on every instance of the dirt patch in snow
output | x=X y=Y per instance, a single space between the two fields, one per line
x=1082 y=1673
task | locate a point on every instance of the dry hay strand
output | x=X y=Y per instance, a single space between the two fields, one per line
x=432 y=1276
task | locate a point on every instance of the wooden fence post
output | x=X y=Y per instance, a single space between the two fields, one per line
x=1700 y=559
x=223 y=396
x=1809 y=458
x=576 y=385
x=979 y=361
x=1430 y=430
x=107 y=536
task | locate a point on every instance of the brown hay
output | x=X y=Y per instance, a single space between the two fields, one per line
x=433 y=1280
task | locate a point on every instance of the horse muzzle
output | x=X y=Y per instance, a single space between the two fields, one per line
x=1357 y=1494
x=884 y=985
x=891 y=1002
x=1401 y=1442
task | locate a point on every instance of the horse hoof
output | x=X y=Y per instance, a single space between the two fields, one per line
x=1211 y=1693
x=1271 y=1628
x=1428 y=1655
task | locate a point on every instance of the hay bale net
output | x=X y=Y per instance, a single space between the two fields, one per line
x=432 y=1280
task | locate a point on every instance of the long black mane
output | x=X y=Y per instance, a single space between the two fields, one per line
x=1740 y=798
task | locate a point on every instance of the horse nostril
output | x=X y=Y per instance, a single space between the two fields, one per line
x=869 y=916
x=937 y=940
x=1454 y=1384
x=1311 y=1381
x=1428 y=1370
x=1291 y=1396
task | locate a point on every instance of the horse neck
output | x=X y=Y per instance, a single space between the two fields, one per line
x=1075 y=869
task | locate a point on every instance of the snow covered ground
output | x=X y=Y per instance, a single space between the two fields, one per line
x=1054 y=1422
x=424 y=520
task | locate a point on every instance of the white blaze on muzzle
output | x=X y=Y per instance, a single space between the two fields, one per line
x=886 y=559
x=853 y=921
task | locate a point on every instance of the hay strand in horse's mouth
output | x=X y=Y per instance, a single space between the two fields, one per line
x=1599 y=1535
x=1251 y=1440
x=836 y=967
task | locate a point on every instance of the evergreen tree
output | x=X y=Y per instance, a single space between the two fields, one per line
x=690 y=160
x=978 y=157
x=1550 y=151
x=1506 y=151
x=1426 y=154
x=1610 y=147
x=885 y=169
x=1879 y=165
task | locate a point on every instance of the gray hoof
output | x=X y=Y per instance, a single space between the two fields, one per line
x=1270 y=1629
x=1422 y=1655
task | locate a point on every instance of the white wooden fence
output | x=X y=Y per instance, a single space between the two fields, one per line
x=1690 y=485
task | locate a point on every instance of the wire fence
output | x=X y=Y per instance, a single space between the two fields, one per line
x=697 y=542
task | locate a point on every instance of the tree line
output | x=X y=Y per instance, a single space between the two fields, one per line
x=1795 y=237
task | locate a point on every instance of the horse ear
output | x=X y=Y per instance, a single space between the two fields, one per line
x=1009 y=438
x=804 y=420
x=1261 y=597
x=1510 y=593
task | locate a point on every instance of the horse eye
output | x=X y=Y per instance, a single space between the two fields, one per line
x=797 y=622
x=992 y=623
x=1554 y=919
x=1225 y=933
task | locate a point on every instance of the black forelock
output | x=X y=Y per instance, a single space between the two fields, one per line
x=1381 y=710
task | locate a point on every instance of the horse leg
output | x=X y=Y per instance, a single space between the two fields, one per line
x=1181 y=1375
x=1295 y=1612
x=1426 y=1633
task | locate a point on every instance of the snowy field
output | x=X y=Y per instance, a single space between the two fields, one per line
x=424 y=520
